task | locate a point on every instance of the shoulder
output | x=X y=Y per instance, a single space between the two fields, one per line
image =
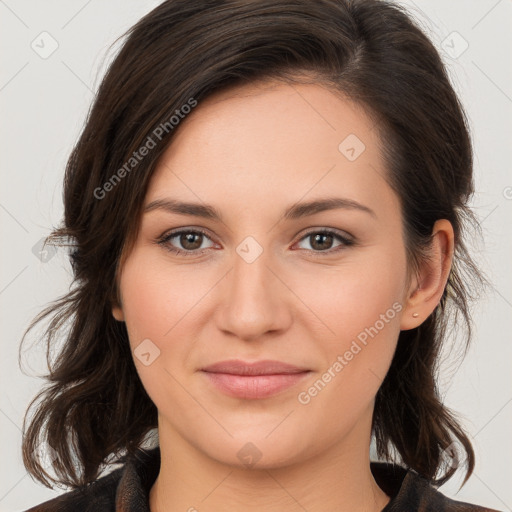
x=410 y=492
x=124 y=488
x=99 y=496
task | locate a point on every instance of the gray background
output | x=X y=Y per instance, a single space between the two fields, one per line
x=44 y=100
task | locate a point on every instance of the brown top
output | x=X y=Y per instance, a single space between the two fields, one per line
x=126 y=489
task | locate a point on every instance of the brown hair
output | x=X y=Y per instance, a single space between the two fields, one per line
x=94 y=405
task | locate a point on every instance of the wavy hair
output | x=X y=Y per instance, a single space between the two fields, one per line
x=93 y=406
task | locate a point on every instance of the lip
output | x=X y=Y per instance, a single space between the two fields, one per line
x=264 y=367
x=256 y=380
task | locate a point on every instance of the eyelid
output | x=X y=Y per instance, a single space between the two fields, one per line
x=344 y=235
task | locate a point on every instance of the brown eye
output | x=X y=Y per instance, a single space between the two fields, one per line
x=321 y=241
x=324 y=241
x=185 y=242
x=191 y=241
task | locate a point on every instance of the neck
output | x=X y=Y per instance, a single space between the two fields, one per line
x=339 y=480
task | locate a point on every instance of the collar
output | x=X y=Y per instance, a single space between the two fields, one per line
x=408 y=491
x=127 y=488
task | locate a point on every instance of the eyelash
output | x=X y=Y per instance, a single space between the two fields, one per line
x=164 y=241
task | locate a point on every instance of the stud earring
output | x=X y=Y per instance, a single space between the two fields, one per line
x=415 y=315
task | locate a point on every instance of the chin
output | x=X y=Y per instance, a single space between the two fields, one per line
x=256 y=449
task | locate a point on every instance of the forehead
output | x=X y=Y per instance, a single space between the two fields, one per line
x=272 y=143
x=276 y=111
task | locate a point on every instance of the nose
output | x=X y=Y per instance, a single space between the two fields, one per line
x=253 y=300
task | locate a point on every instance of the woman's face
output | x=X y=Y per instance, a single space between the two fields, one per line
x=266 y=273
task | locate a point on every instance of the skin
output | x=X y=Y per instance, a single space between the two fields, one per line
x=252 y=152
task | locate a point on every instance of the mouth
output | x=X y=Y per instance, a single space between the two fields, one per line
x=257 y=380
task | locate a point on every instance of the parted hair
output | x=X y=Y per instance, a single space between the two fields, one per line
x=93 y=406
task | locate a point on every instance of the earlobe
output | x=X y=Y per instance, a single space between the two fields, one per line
x=117 y=304
x=117 y=313
x=429 y=285
x=117 y=309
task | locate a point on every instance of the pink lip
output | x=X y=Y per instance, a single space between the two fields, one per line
x=260 y=379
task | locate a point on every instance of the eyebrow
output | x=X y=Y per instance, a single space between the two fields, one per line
x=296 y=211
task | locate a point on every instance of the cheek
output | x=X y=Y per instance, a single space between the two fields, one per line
x=359 y=306
x=155 y=300
x=158 y=307
x=352 y=296
x=164 y=310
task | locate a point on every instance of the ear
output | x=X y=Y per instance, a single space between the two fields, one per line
x=427 y=287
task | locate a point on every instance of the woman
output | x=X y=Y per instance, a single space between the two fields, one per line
x=265 y=210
